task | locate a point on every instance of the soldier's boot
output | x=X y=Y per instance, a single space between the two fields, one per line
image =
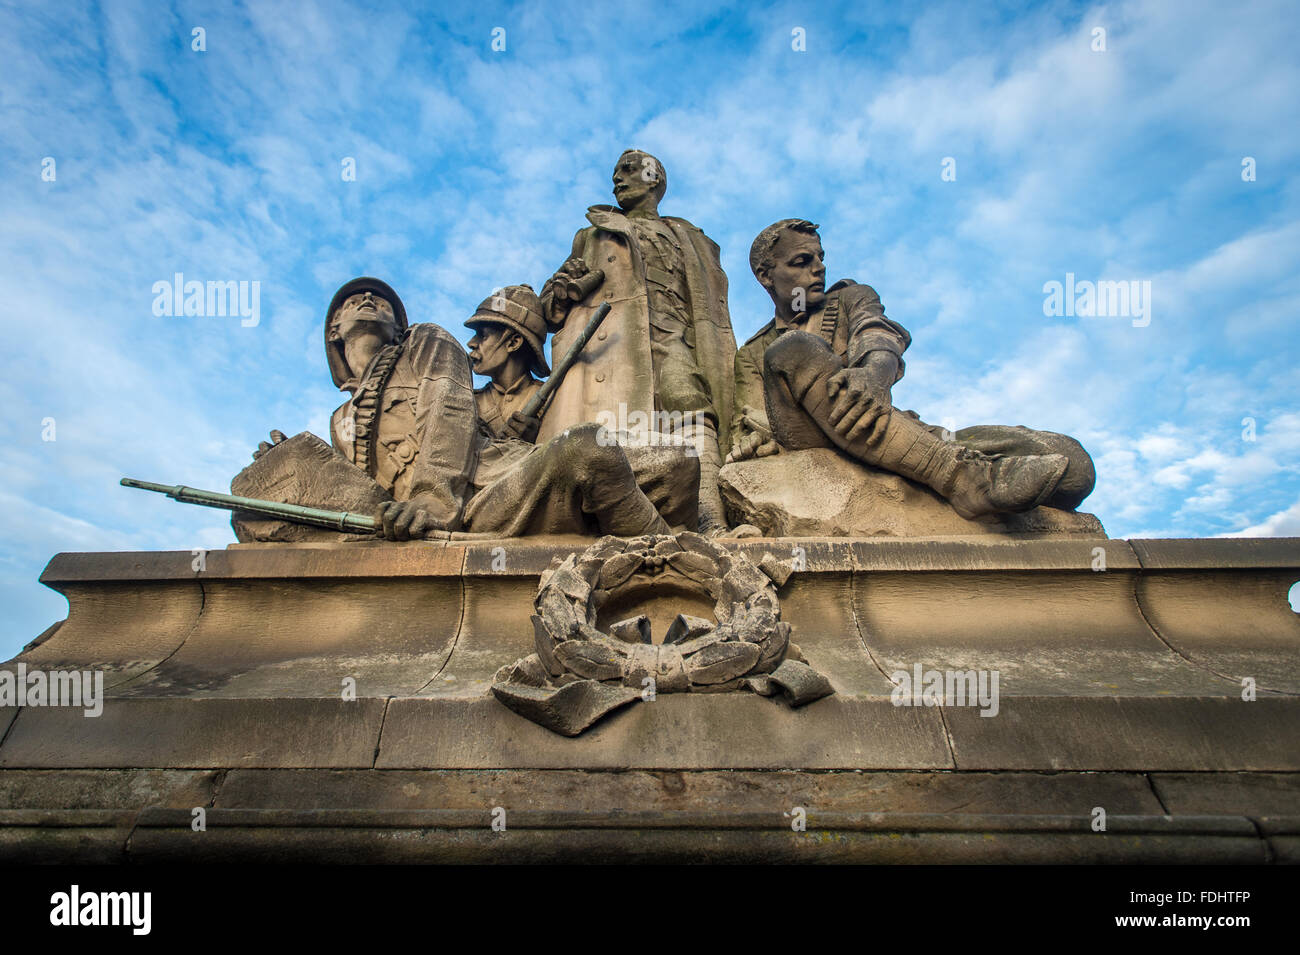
x=703 y=436
x=635 y=517
x=975 y=484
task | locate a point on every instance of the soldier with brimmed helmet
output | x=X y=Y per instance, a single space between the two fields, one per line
x=507 y=347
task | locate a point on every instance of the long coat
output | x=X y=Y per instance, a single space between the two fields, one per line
x=616 y=365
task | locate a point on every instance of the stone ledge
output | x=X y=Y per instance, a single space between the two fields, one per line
x=431 y=836
x=583 y=816
x=528 y=557
x=676 y=732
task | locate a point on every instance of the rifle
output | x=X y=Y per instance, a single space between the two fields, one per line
x=344 y=521
x=539 y=398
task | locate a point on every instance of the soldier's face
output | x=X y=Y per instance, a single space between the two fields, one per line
x=365 y=315
x=797 y=278
x=636 y=177
x=490 y=348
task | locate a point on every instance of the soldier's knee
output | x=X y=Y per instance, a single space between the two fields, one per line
x=593 y=452
x=783 y=355
x=796 y=352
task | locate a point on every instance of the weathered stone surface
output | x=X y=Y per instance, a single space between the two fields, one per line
x=676 y=731
x=731 y=791
x=196 y=733
x=1086 y=679
x=1253 y=794
x=303 y=468
x=800 y=683
x=1150 y=733
x=641 y=838
x=568 y=710
x=685 y=627
x=75 y=789
x=822 y=493
x=276 y=815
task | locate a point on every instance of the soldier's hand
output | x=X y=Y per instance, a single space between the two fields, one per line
x=405 y=520
x=276 y=438
x=755 y=439
x=860 y=401
x=574 y=268
x=523 y=428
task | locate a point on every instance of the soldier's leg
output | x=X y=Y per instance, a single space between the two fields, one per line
x=682 y=392
x=573 y=484
x=670 y=479
x=999 y=440
x=794 y=365
x=797 y=370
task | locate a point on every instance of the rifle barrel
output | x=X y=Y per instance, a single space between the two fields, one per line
x=317 y=517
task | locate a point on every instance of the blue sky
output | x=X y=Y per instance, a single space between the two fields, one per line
x=474 y=169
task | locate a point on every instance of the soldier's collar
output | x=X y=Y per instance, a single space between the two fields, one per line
x=603 y=215
x=520 y=384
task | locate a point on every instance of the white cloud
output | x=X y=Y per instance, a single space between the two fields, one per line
x=1285 y=523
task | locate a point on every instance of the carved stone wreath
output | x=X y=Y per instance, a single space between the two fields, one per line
x=579 y=673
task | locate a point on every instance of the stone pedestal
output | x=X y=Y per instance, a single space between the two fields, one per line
x=1119 y=687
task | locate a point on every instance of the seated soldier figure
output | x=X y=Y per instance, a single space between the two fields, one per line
x=509 y=332
x=820 y=375
x=411 y=426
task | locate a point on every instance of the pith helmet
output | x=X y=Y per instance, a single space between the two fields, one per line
x=334 y=351
x=518 y=308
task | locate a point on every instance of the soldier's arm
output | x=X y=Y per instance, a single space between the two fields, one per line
x=750 y=433
x=556 y=308
x=871 y=332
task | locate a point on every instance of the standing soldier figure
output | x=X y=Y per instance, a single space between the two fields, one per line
x=664 y=355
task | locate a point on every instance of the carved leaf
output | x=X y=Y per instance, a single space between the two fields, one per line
x=561 y=618
x=695 y=645
x=589 y=659
x=777 y=570
x=544 y=641
x=684 y=627
x=632 y=630
x=618 y=569
x=569 y=582
x=693 y=566
x=721 y=662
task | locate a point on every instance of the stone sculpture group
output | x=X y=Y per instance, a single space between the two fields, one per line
x=658 y=420
x=429 y=453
